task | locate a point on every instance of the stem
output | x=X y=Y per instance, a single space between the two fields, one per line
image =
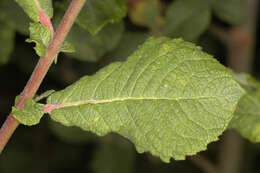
x=240 y=57
x=41 y=69
x=203 y=163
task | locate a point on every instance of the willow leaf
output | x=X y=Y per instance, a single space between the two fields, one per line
x=169 y=98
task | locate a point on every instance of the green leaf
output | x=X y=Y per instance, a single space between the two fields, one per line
x=187 y=19
x=32 y=8
x=146 y=13
x=92 y=48
x=96 y=14
x=41 y=36
x=231 y=11
x=168 y=98
x=15 y=17
x=113 y=155
x=247 y=116
x=7 y=35
x=43 y=95
x=31 y=114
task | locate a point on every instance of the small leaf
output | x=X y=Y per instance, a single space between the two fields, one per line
x=7 y=35
x=96 y=14
x=169 y=98
x=187 y=19
x=31 y=114
x=43 y=95
x=32 y=8
x=40 y=35
x=67 y=47
x=231 y=11
x=247 y=115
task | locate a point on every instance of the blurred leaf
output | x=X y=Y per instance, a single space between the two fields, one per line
x=31 y=114
x=146 y=13
x=92 y=48
x=31 y=8
x=231 y=11
x=7 y=34
x=247 y=116
x=96 y=14
x=187 y=19
x=127 y=45
x=11 y=13
x=164 y=89
x=113 y=155
x=70 y=134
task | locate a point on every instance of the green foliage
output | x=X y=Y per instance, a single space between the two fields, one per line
x=191 y=25
x=15 y=17
x=32 y=8
x=146 y=13
x=190 y=18
x=92 y=48
x=231 y=11
x=41 y=35
x=247 y=118
x=31 y=114
x=167 y=94
x=96 y=14
x=7 y=34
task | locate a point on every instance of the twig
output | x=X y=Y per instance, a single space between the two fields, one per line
x=203 y=163
x=41 y=69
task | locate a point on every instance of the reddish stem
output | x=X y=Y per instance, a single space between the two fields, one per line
x=41 y=69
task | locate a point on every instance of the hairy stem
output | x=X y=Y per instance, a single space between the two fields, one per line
x=41 y=69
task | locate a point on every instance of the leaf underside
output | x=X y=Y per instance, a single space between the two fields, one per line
x=168 y=98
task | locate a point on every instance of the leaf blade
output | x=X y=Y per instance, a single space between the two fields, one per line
x=153 y=100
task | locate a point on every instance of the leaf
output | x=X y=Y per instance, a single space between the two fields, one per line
x=7 y=36
x=92 y=48
x=247 y=116
x=146 y=13
x=96 y=14
x=42 y=96
x=31 y=114
x=187 y=19
x=231 y=11
x=41 y=36
x=15 y=17
x=113 y=155
x=168 y=98
x=32 y=8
